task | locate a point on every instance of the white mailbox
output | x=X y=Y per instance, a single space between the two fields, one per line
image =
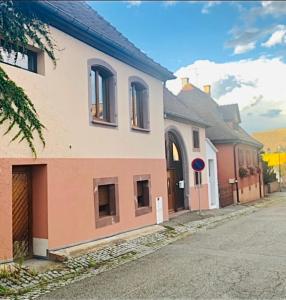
x=181 y=184
x=232 y=180
x=159 y=210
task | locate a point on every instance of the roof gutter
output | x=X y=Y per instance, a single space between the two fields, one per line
x=236 y=141
x=182 y=119
x=235 y=172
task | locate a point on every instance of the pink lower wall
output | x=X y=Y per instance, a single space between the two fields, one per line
x=249 y=189
x=63 y=208
x=225 y=163
x=40 y=201
x=249 y=193
x=5 y=211
x=194 y=197
x=71 y=192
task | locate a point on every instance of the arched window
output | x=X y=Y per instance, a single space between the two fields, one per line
x=102 y=94
x=139 y=105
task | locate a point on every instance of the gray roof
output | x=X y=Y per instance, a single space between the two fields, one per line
x=176 y=110
x=230 y=113
x=84 y=22
x=208 y=109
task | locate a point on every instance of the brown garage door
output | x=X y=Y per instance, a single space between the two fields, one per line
x=22 y=212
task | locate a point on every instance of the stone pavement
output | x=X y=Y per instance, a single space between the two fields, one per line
x=29 y=284
x=243 y=258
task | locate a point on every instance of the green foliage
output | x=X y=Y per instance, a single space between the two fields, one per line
x=243 y=172
x=19 y=110
x=19 y=28
x=4 y=291
x=268 y=173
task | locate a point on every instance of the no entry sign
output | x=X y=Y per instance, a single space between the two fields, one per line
x=198 y=164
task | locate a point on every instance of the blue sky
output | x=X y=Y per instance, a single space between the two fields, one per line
x=234 y=46
x=178 y=33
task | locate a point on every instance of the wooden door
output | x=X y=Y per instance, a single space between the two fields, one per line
x=22 y=212
x=171 y=190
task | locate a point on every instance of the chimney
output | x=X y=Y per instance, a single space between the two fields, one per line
x=185 y=81
x=207 y=89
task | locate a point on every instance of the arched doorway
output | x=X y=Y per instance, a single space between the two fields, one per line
x=175 y=172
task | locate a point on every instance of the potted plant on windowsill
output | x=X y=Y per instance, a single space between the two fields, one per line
x=251 y=170
x=258 y=170
x=243 y=172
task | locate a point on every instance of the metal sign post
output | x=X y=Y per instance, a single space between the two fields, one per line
x=198 y=165
x=199 y=174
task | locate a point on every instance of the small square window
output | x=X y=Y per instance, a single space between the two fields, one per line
x=142 y=194
x=106 y=201
x=198 y=178
x=196 y=138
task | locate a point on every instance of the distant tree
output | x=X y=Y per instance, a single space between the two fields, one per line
x=269 y=174
x=19 y=28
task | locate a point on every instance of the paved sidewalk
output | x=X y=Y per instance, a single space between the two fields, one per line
x=28 y=284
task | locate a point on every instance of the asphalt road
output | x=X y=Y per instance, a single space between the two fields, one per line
x=243 y=258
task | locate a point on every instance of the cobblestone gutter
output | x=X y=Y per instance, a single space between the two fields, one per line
x=22 y=283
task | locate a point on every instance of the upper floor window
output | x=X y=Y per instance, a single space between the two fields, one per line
x=27 y=60
x=248 y=158
x=254 y=158
x=102 y=95
x=240 y=157
x=139 y=106
x=196 y=138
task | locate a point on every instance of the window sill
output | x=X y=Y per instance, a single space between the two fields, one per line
x=143 y=210
x=104 y=123
x=146 y=130
x=20 y=68
x=196 y=149
x=106 y=221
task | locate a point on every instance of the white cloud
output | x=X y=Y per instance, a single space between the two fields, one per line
x=258 y=86
x=134 y=3
x=239 y=49
x=169 y=3
x=208 y=5
x=250 y=32
x=274 y=8
x=277 y=37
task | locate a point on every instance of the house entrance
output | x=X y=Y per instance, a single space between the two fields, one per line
x=175 y=174
x=22 y=212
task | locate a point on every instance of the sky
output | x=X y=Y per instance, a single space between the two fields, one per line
x=236 y=47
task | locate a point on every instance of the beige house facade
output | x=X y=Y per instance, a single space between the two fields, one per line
x=103 y=167
x=185 y=141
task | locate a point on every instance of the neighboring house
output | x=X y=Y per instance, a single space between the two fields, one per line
x=239 y=169
x=103 y=167
x=185 y=140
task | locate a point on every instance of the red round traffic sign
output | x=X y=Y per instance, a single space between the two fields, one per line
x=198 y=164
